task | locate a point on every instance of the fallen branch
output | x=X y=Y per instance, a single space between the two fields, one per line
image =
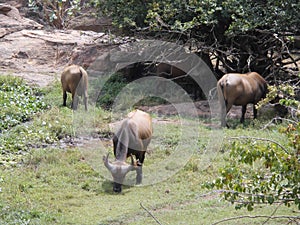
x=258 y=216
x=273 y=213
x=278 y=119
x=156 y=220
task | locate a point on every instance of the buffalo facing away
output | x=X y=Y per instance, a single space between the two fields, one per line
x=132 y=138
x=74 y=79
x=240 y=89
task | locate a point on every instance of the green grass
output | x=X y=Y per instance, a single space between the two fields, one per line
x=48 y=179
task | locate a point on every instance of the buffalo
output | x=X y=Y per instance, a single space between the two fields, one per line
x=132 y=138
x=74 y=79
x=240 y=89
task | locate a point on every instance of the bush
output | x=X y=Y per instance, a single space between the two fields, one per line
x=19 y=102
x=284 y=95
x=56 y=12
x=110 y=90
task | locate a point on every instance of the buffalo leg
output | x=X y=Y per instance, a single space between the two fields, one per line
x=244 y=107
x=74 y=101
x=139 y=174
x=254 y=111
x=140 y=161
x=64 y=98
x=224 y=111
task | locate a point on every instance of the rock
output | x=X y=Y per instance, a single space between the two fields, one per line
x=10 y=11
x=90 y=24
x=37 y=54
x=11 y=21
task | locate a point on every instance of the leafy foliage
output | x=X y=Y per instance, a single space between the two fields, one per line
x=241 y=36
x=56 y=12
x=262 y=173
x=285 y=95
x=190 y=16
x=19 y=102
x=110 y=90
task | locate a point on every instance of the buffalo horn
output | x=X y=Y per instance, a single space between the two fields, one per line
x=108 y=165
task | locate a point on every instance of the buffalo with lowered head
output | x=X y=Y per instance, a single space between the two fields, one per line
x=240 y=89
x=132 y=138
x=74 y=79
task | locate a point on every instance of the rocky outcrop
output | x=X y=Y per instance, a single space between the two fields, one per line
x=38 y=54
x=11 y=21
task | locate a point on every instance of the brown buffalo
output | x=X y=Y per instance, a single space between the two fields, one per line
x=74 y=79
x=240 y=89
x=132 y=138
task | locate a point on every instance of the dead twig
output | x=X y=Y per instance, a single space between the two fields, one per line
x=278 y=119
x=156 y=220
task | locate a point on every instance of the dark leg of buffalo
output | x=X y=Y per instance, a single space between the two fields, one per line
x=139 y=174
x=224 y=111
x=117 y=187
x=64 y=98
x=244 y=107
x=254 y=111
x=74 y=102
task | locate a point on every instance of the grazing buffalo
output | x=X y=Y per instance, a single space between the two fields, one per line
x=132 y=138
x=74 y=79
x=240 y=89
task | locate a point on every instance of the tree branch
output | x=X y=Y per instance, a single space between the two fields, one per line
x=262 y=139
x=156 y=220
x=273 y=213
x=279 y=119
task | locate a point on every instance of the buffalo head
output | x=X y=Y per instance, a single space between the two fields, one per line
x=118 y=171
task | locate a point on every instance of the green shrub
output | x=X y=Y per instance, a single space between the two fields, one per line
x=110 y=90
x=262 y=171
x=19 y=102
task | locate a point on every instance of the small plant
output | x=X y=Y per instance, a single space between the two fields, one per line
x=56 y=12
x=19 y=102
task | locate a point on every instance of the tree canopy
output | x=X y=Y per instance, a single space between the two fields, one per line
x=241 y=36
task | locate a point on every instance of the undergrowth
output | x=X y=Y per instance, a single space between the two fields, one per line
x=18 y=101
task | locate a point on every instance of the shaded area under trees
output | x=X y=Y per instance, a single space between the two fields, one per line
x=231 y=36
